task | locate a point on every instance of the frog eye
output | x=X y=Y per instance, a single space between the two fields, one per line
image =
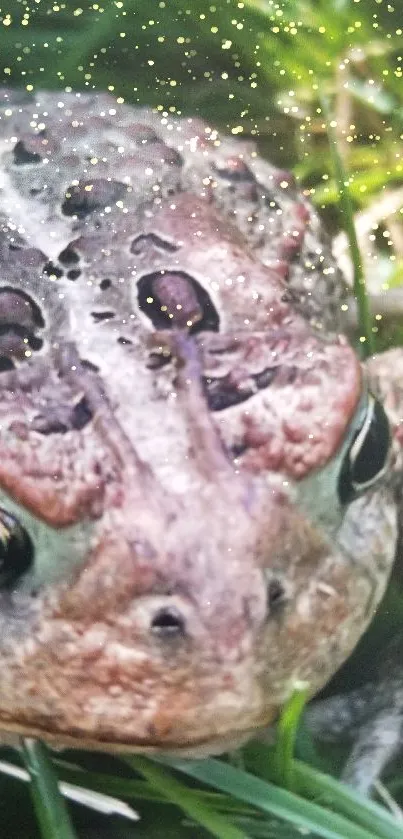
x=16 y=549
x=367 y=457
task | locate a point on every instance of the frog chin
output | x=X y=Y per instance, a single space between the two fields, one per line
x=217 y=745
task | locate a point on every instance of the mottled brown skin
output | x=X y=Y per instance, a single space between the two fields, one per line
x=170 y=400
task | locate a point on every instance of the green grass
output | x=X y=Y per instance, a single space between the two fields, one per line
x=248 y=799
x=49 y=804
x=263 y=791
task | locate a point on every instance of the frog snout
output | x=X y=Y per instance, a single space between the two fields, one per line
x=227 y=615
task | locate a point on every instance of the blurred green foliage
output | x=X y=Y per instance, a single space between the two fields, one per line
x=254 y=67
x=239 y=63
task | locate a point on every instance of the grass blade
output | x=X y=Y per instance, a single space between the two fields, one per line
x=286 y=733
x=186 y=799
x=101 y=802
x=366 y=812
x=50 y=807
x=275 y=801
x=360 y=292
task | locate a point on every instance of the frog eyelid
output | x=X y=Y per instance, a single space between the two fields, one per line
x=362 y=433
x=375 y=413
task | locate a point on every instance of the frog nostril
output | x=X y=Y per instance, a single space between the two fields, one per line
x=174 y=299
x=168 y=622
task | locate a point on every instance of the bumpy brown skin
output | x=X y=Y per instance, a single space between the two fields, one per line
x=163 y=399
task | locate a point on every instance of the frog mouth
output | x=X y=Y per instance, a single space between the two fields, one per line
x=197 y=748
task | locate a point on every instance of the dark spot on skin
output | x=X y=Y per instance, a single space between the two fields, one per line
x=168 y=623
x=270 y=202
x=235 y=170
x=265 y=378
x=227 y=346
x=238 y=449
x=105 y=284
x=89 y=365
x=74 y=274
x=101 y=316
x=157 y=360
x=143 y=242
x=6 y=364
x=69 y=256
x=62 y=418
x=222 y=393
x=175 y=299
x=291 y=374
x=22 y=156
x=290 y=297
x=87 y=196
x=276 y=595
x=81 y=415
x=50 y=269
x=49 y=425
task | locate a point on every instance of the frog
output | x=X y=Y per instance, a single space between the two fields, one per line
x=197 y=515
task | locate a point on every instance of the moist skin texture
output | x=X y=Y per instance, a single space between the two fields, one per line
x=176 y=406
